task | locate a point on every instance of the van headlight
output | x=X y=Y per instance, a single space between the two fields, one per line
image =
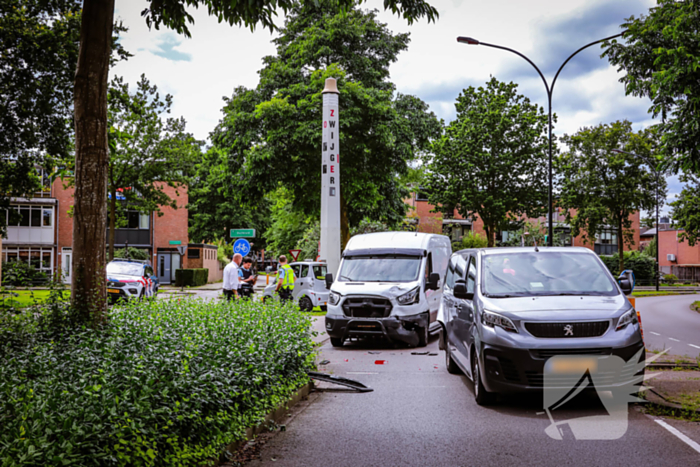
x=630 y=317
x=494 y=319
x=333 y=298
x=409 y=298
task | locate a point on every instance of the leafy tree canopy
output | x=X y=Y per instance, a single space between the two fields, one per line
x=660 y=54
x=272 y=134
x=148 y=152
x=686 y=210
x=492 y=160
x=605 y=188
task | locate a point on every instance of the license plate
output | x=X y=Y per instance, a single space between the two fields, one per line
x=573 y=365
x=113 y=290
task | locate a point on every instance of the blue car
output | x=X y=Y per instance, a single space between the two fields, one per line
x=130 y=278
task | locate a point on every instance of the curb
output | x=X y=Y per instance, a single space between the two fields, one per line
x=271 y=418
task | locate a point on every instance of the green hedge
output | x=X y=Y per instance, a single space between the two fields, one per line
x=191 y=277
x=641 y=265
x=167 y=383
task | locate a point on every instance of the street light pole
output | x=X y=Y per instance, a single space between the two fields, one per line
x=657 y=174
x=549 y=89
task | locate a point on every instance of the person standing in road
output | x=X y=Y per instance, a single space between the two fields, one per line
x=285 y=280
x=246 y=278
x=231 y=282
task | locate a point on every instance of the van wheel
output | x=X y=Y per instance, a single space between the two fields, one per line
x=337 y=341
x=452 y=367
x=482 y=396
x=423 y=334
x=305 y=304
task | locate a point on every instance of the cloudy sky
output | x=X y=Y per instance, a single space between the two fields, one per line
x=199 y=71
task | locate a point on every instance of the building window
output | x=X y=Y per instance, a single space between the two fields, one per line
x=421 y=196
x=137 y=220
x=38 y=258
x=606 y=237
x=193 y=253
x=45 y=180
x=34 y=216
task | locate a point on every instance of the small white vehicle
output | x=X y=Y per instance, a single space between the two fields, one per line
x=389 y=284
x=309 y=288
x=130 y=278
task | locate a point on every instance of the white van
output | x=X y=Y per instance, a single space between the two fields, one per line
x=389 y=284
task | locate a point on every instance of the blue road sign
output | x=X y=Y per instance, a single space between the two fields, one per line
x=241 y=246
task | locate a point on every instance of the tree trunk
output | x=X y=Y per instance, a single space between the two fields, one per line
x=91 y=150
x=490 y=236
x=112 y=221
x=620 y=245
x=344 y=223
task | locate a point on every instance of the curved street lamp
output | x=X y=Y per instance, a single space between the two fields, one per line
x=657 y=173
x=549 y=88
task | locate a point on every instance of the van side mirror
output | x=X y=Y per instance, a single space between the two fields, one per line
x=460 y=291
x=329 y=280
x=433 y=281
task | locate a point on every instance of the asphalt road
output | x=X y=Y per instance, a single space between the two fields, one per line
x=420 y=415
x=669 y=323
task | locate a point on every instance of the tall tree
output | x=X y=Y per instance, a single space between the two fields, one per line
x=280 y=141
x=660 y=55
x=39 y=43
x=216 y=207
x=605 y=188
x=91 y=128
x=147 y=153
x=492 y=160
x=686 y=210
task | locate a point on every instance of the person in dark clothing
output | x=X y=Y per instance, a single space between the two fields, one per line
x=246 y=278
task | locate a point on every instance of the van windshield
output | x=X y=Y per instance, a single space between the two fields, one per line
x=386 y=268
x=545 y=273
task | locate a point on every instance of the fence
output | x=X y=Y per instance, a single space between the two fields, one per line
x=686 y=273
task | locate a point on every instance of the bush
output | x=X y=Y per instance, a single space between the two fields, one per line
x=164 y=383
x=19 y=273
x=474 y=240
x=642 y=265
x=670 y=278
x=132 y=253
x=191 y=277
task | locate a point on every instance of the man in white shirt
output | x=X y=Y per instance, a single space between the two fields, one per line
x=231 y=283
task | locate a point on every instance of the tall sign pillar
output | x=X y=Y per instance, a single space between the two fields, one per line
x=330 y=179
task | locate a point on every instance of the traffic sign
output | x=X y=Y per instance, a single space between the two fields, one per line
x=242 y=233
x=241 y=246
x=181 y=249
x=294 y=253
x=176 y=242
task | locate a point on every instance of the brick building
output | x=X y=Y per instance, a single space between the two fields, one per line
x=44 y=235
x=678 y=257
x=435 y=222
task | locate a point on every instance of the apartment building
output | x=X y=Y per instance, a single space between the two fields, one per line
x=43 y=236
x=456 y=226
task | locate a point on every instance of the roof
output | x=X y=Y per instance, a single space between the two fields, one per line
x=417 y=240
x=648 y=233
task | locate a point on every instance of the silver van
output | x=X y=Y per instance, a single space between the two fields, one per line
x=506 y=311
x=309 y=287
x=389 y=284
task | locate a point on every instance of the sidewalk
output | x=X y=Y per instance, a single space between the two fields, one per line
x=675 y=389
x=319 y=325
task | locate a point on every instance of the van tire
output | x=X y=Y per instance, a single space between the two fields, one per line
x=452 y=367
x=423 y=334
x=481 y=395
x=337 y=341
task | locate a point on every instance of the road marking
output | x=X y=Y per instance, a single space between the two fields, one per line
x=697 y=347
x=654 y=333
x=672 y=339
x=680 y=435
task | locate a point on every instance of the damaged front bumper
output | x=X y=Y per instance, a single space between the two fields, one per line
x=394 y=328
